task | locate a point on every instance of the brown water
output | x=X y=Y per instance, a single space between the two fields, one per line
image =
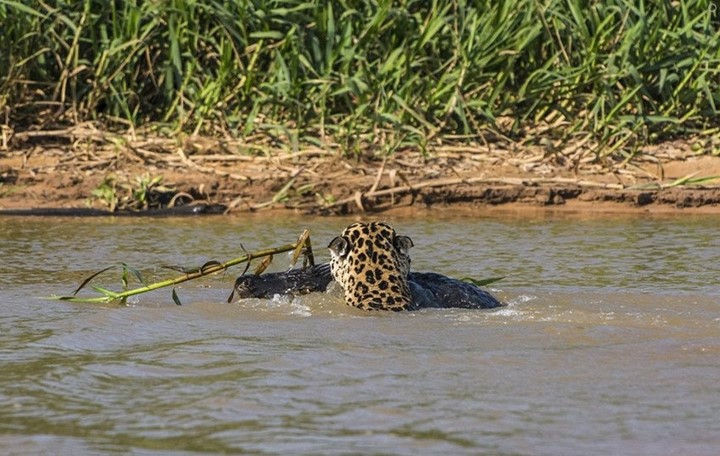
x=610 y=344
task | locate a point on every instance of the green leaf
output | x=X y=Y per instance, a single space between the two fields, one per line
x=135 y=272
x=690 y=179
x=482 y=283
x=175 y=298
x=23 y=8
x=85 y=282
x=272 y=34
x=683 y=180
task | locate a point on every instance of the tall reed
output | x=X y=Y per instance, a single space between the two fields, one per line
x=368 y=71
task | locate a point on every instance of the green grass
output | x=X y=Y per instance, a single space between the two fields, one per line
x=367 y=73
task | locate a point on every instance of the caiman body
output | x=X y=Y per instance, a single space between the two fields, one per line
x=429 y=290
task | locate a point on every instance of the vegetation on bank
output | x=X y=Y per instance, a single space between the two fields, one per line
x=616 y=74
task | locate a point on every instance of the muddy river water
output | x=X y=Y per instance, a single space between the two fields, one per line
x=610 y=343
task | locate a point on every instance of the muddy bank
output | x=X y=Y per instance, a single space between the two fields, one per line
x=319 y=181
x=554 y=197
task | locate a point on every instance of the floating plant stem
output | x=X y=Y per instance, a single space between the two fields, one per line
x=208 y=268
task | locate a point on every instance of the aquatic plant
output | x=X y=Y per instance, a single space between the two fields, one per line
x=303 y=247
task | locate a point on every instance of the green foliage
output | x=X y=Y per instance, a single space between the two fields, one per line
x=301 y=247
x=145 y=193
x=366 y=72
x=105 y=192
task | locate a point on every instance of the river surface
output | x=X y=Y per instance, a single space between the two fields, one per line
x=609 y=344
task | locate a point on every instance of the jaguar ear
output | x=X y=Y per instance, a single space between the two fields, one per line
x=403 y=243
x=340 y=246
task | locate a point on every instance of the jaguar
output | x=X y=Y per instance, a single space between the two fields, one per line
x=371 y=263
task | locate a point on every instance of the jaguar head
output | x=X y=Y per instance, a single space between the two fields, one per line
x=371 y=262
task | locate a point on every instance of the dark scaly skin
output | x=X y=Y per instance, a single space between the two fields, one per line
x=294 y=282
x=429 y=290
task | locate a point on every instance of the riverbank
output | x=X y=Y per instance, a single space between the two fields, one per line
x=521 y=104
x=99 y=170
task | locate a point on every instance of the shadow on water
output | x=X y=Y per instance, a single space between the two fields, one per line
x=610 y=343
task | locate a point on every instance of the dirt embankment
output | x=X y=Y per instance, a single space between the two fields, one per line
x=57 y=174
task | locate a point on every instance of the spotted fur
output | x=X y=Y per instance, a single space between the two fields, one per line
x=371 y=263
